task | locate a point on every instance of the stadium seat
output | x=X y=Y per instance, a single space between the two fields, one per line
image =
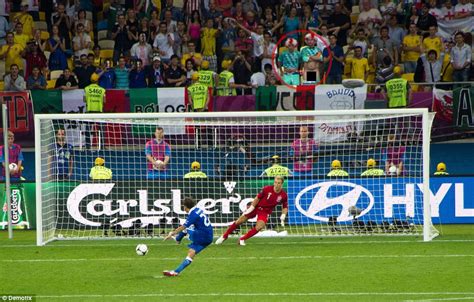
x=47 y=54
x=106 y=44
x=354 y=18
x=2 y=70
x=55 y=74
x=2 y=85
x=41 y=25
x=102 y=35
x=355 y=9
x=89 y=15
x=51 y=84
x=102 y=25
x=42 y=16
x=410 y=77
x=106 y=53
x=44 y=35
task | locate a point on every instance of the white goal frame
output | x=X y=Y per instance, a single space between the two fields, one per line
x=427 y=118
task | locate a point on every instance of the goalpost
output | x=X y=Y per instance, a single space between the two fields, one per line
x=234 y=149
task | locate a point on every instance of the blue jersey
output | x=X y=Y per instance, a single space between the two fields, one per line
x=63 y=156
x=201 y=223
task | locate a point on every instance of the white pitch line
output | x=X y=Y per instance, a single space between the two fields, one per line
x=250 y=295
x=241 y=258
x=443 y=299
x=315 y=242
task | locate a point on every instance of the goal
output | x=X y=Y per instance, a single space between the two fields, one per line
x=350 y=173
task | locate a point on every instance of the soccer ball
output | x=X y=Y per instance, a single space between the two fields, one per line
x=141 y=249
x=12 y=167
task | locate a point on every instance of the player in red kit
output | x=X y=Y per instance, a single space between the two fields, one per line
x=262 y=206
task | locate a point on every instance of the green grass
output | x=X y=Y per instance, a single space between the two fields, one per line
x=267 y=269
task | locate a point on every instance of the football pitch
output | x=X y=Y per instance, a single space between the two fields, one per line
x=366 y=268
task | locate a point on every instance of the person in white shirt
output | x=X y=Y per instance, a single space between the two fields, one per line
x=268 y=48
x=163 y=43
x=370 y=18
x=447 y=11
x=142 y=50
x=81 y=42
x=463 y=9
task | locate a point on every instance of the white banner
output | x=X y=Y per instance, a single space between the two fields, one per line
x=73 y=102
x=172 y=100
x=446 y=28
x=336 y=97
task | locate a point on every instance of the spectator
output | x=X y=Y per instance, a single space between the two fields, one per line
x=412 y=17
x=120 y=35
x=341 y=22
x=334 y=53
x=269 y=19
x=175 y=11
x=250 y=22
x=190 y=69
x=309 y=21
x=57 y=58
x=192 y=55
x=242 y=72
x=384 y=71
x=369 y=18
x=212 y=12
x=208 y=44
x=4 y=28
x=291 y=23
x=289 y=62
x=447 y=11
x=132 y=26
x=106 y=75
x=192 y=6
x=359 y=65
x=395 y=32
x=97 y=59
x=12 y=53
x=384 y=45
x=14 y=81
x=155 y=73
x=425 y=21
x=194 y=29
x=238 y=12
x=463 y=9
x=433 y=41
x=145 y=28
x=37 y=39
x=258 y=43
x=154 y=25
x=411 y=49
x=137 y=75
x=81 y=19
x=141 y=50
x=25 y=19
x=387 y=9
x=394 y=157
x=81 y=42
x=323 y=40
x=171 y=25
x=63 y=22
x=198 y=95
x=461 y=59
x=34 y=57
x=66 y=81
x=434 y=10
x=20 y=37
x=121 y=74
x=362 y=41
x=268 y=49
x=36 y=80
x=175 y=76
x=84 y=72
x=114 y=10
x=224 y=7
x=257 y=79
x=163 y=43
x=311 y=56
x=181 y=39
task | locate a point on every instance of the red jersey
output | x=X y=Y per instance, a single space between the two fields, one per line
x=269 y=199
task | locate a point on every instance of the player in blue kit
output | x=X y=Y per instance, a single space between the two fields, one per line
x=200 y=232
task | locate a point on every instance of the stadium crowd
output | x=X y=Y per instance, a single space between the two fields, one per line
x=229 y=44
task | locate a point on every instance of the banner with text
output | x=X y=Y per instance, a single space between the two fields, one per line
x=20 y=113
x=337 y=97
x=463 y=116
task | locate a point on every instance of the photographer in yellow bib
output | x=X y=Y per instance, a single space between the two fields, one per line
x=99 y=171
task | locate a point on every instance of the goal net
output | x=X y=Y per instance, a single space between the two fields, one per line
x=361 y=172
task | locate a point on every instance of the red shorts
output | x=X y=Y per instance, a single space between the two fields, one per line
x=261 y=213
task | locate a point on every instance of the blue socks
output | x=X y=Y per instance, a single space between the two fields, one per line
x=184 y=264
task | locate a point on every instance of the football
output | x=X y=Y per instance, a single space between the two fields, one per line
x=12 y=166
x=141 y=249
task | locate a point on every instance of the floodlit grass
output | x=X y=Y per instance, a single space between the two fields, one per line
x=267 y=269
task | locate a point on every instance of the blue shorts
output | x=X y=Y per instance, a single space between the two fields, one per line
x=155 y=174
x=199 y=240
